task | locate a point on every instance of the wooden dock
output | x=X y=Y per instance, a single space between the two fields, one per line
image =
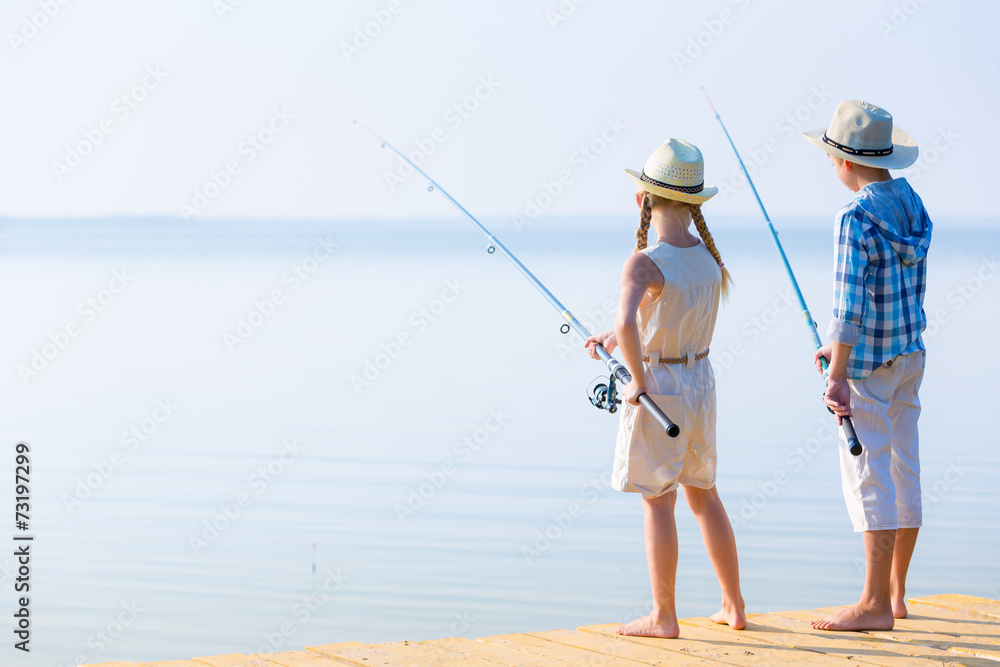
x=941 y=630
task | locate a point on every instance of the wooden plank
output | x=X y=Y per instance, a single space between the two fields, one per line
x=331 y=650
x=298 y=659
x=705 y=629
x=504 y=655
x=513 y=656
x=169 y=663
x=123 y=663
x=918 y=612
x=966 y=605
x=858 y=646
x=410 y=654
x=960 y=645
x=256 y=660
x=930 y=611
x=513 y=653
x=231 y=660
x=984 y=632
x=538 y=648
x=665 y=652
x=735 y=647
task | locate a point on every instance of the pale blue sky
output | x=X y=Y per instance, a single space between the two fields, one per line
x=620 y=77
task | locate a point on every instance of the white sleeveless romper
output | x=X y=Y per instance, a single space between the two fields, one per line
x=680 y=322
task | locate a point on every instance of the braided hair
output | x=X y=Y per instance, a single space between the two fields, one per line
x=645 y=216
x=706 y=237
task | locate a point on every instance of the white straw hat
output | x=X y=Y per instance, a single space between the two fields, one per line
x=863 y=133
x=675 y=170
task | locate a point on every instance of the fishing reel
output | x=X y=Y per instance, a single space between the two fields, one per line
x=603 y=394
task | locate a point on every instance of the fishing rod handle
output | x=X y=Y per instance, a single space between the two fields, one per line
x=672 y=429
x=621 y=372
x=669 y=427
x=846 y=422
x=852 y=437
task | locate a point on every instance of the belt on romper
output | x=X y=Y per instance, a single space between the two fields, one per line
x=687 y=359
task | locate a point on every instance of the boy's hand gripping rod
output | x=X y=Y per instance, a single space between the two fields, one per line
x=618 y=369
x=852 y=437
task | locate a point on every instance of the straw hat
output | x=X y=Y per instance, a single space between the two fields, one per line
x=863 y=133
x=675 y=170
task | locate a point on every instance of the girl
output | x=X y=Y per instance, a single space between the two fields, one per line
x=669 y=299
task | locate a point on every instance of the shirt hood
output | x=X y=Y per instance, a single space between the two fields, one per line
x=900 y=217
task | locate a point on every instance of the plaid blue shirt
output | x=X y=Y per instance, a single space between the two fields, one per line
x=882 y=238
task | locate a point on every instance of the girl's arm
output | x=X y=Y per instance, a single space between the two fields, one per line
x=638 y=275
x=608 y=340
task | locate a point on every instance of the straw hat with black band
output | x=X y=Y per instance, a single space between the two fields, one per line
x=864 y=134
x=675 y=170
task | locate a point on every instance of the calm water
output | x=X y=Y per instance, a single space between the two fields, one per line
x=245 y=440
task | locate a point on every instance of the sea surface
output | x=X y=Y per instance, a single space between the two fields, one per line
x=261 y=435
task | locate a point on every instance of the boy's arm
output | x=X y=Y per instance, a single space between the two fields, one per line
x=850 y=296
x=838 y=392
x=849 y=304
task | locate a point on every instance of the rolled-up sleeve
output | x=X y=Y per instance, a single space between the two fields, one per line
x=849 y=292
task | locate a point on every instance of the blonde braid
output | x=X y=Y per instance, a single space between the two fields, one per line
x=706 y=236
x=645 y=216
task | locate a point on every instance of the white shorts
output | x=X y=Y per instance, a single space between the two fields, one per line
x=649 y=462
x=882 y=486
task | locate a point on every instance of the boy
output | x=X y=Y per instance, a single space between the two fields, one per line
x=876 y=354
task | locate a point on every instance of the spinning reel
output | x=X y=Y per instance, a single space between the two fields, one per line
x=604 y=395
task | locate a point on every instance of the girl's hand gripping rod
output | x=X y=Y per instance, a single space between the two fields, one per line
x=852 y=437
x=617 y=368
x=623 y=376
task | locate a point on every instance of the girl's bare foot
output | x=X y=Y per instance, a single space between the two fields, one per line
x=898 y=598
x=653 y=625
x=858 y=617
x=899 y=607
x=730 y=615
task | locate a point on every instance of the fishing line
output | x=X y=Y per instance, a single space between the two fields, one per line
x=603 y=396
x=852 y=437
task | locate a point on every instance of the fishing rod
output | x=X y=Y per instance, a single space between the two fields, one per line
x=846 y=422
x=603 y=396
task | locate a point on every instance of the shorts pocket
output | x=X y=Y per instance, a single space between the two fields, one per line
x=881 y=384
x=923 y=368
x=646 y=458
x=672 y=406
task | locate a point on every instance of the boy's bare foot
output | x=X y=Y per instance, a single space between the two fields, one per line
x=653 y=625
x=858 y=617
x=899 y=607
x=731 y=616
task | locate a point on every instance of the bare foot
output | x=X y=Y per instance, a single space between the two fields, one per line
x=731 y=616
x=899 y=606
x=858 y=617
x=653 y=625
